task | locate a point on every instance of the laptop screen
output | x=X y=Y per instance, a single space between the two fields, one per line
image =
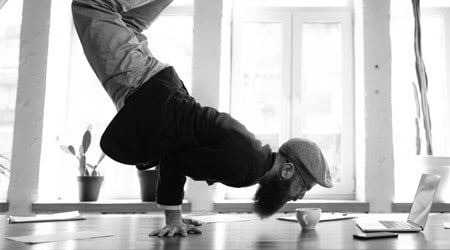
x=424 y=199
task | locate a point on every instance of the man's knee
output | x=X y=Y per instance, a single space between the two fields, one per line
x=103 y=5
x=78 y=3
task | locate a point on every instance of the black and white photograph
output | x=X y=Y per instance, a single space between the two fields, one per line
x=224 y=124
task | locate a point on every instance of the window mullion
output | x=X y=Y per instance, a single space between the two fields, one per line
x=297 y=105
x=447 y=73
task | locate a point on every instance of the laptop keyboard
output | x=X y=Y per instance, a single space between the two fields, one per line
x=396 y=224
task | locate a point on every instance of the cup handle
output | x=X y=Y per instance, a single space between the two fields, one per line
x=304 y=217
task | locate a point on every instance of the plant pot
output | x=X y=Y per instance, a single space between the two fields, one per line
x=89 y=187
x=438 y=165
x=147 y=181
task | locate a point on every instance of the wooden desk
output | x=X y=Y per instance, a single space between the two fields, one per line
x=131 y=233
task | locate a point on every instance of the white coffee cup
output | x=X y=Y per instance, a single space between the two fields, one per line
x=308 y=217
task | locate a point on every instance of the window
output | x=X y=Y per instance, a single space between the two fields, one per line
x=435 y=23
x=85 y=102
x=10 y=20
x=436 y=55
x=292 y=77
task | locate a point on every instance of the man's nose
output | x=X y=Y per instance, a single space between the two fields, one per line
x=301 y=195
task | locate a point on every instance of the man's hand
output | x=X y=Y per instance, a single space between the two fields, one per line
x=175 y=225
x=176 y=229
x=191 y=221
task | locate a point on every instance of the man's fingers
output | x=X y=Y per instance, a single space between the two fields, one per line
x=154 y=233
x=191 y=221
x=163 y=232
x=194 y=230
x=196 y=223
x=172 y=232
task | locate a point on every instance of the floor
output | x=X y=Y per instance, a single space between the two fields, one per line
x=131 y=232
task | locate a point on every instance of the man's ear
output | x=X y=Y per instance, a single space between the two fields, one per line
x=287 y=170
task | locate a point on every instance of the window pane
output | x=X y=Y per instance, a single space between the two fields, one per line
x=434 y=39
x=170 y=40
x=10 y=20
x=434 y=57
x=404 y=108
x=321 y=90
x=182 y=2
x=303 y=3
x=435 y=3
x=257 y=96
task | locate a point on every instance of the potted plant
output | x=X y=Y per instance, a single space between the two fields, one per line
x=428 y=163
x=147 y=181
x=90 y=179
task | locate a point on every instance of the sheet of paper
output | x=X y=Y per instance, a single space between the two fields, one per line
x=72 y=215
x=447 y=225
x=41 y=238
x=213 y=218
x=323 y=217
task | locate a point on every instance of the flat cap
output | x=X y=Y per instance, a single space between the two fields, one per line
x=306 y=155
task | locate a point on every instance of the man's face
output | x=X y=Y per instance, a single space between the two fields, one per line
x=275 y=191
x=271 y=195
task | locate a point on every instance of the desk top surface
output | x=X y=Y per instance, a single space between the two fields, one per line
x=131 y=232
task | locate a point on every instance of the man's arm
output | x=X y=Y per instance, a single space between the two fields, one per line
x=170 y=195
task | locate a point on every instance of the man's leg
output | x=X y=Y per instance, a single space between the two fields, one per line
x=140 y=19
x=119 y=58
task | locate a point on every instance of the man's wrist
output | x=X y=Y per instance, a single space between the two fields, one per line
x=169 y=207
x=173 y=216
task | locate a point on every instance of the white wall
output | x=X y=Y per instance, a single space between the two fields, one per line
x=205 y=80
x=379 y=156
x=28 y=122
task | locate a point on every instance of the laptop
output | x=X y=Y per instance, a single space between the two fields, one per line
x=418 y=214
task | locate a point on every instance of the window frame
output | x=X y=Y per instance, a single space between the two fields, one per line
x=290 y=18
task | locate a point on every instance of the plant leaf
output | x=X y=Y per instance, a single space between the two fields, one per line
x=86 y=140
x=81 y=150
x=422 y=77
x=3 y=167
x=86 y=172
x=90 y=166
x=102 y=156
x=68 y=149
x=72 y=150
x=4 y=170
x=4 y=157
x=82 y=168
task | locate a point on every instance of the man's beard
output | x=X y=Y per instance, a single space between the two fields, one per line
x=271 y=196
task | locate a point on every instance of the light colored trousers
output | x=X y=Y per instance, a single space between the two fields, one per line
x=110 y=32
